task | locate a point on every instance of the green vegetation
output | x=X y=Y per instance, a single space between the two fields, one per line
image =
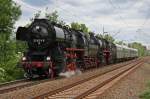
x=107 y=37
x=53 y=17
x=140 y=47
x=142 y=51
x=8 y=62
x=78 y=26
x=146 y=94
x=10 y=12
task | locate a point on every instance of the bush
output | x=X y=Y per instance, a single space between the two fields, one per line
x=146 y=94
x=8 y=62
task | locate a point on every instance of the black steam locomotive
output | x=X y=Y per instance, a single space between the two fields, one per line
x=55 y=50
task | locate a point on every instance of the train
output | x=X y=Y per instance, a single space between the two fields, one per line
x=56 y=50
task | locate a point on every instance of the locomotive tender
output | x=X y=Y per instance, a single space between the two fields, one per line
x=54 y=50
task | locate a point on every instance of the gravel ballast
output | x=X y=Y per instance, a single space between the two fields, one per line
x=130 y=87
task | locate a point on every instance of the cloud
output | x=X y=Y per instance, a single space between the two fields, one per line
x=126 y=16
x=38 y=3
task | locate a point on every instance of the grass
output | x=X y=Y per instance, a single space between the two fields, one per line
x=146 y=94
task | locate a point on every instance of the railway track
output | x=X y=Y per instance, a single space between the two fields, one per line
x=81 y=89
x=15 y=85
x=20 y=84
x=12 y=82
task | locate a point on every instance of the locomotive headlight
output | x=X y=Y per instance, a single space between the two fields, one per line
x=24 y=58
x=48 y=58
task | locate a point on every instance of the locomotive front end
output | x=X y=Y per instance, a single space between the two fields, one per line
x=40 y=37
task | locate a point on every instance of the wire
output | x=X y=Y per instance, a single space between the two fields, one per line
x=146 y=20
x=68 y=12
x=121 y=18
x=110 y=2
x=20 y=2
x=116 y=33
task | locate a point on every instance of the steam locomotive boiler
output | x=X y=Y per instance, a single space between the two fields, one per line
x=55 y=50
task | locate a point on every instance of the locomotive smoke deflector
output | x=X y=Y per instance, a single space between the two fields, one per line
x=22 y=34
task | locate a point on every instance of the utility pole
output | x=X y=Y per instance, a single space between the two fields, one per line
x=104 y=32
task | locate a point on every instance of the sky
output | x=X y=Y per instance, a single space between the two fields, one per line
x=125 y=20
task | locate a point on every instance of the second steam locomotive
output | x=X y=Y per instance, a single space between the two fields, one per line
x=55 y=50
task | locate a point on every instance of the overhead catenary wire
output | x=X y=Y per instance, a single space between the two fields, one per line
x=121 y=18
x=70 y=13
x=37 y=10
x=20 y=2
x=67 y=12
x=144 y=22
x=116 y=8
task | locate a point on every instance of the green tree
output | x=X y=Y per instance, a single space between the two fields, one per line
x=82 y=27
x=10 y=12
x=107 y=37
x=140 y=47
x=53 y=17
x=75 y=25
x=36 y=16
